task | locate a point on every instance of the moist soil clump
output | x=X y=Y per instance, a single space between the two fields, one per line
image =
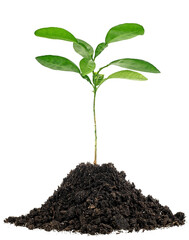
x=96 y=199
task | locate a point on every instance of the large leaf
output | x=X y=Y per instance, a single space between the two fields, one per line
x=123 y=32
x=135 y=64
x=55 y=33
x=87 y=66
x=127 y=74
x=100 y=48
x=57 y=63
x=83 y=48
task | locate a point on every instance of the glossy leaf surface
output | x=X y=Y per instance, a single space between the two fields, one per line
x=135 y=64
x=100 y=48
x=87 y=66
x=123 y=32
x=83 y=48
x=127 y=74
x=55 y=33
x=57 y=63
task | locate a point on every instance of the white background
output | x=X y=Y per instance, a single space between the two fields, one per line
x=46 y=119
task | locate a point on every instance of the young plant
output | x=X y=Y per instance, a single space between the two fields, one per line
x=87 y=64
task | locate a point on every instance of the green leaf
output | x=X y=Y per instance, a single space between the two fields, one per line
x=87 y=66
x=100 y=48
x=55 y=33
x=83 y=48
x=127 y=74
x=123 y=32
x=135 y=64
x=57 y=63
x=97 y=78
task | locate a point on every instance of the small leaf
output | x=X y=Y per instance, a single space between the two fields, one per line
x=127 y=74
x=135 y=64
x=83 y=48
x=57 y=63
x=100 y=48
x=123 y=32
x=55 y=33
x=99 y=79
x=87 y=66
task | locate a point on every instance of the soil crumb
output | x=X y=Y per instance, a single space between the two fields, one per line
x=97 y=199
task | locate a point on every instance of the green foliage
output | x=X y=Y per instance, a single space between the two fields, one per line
x=98 y=78
x=83 y=49
x=57 y=63
x=55 y=33
x=87 y=64
x=135 y=64
x=123 y=32
x=100 y=48
x=127 y=74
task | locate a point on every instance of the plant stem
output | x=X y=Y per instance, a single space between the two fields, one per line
x=94 y=113
x=100 y=69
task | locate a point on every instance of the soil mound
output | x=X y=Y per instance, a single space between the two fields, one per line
x=97 y=199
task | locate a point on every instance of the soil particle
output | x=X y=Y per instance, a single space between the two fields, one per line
x=96 y=199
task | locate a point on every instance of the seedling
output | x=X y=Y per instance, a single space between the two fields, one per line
x=87 y=64
x=75 y=207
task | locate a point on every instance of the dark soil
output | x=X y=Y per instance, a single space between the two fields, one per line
x=97 y=199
